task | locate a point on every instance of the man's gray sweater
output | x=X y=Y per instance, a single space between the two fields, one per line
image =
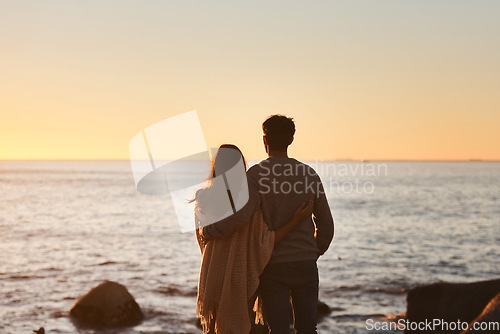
x=279 y=185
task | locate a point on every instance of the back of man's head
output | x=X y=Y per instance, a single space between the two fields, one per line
x=279 y=131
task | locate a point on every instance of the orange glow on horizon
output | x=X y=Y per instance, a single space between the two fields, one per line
x=373 y=83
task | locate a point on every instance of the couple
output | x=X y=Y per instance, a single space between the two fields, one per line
x=259 y=258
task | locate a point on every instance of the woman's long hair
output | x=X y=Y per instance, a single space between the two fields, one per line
x=223 y=161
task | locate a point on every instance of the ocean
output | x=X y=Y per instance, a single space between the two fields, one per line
x=66 y=226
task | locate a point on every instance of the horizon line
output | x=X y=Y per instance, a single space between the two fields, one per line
x=319 y=160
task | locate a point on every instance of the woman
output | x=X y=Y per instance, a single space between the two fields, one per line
x=230 y=268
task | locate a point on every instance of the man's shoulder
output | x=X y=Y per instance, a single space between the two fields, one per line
x=302 y=169
x=310 y=170
x=255 y=168
x=256 y=171
x=293 y=166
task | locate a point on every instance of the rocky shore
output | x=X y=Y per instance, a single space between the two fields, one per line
x=461 y=308
x=455 y=303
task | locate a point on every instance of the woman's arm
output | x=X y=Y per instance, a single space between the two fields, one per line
x=301 y=214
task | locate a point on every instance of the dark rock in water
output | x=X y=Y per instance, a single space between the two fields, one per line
x=40 y=330
x=107 y=305
x=323 y=310
x=489 y=317
x=449 y=302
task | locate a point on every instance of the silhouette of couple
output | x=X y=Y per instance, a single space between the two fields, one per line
x=260 y=257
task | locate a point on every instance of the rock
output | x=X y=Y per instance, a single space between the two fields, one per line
x=40 y=330
x=449 y=302
x=489 y=317
x=323 y=310
x=107 y=305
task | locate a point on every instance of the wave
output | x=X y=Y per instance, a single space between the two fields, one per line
x=21 y=277
x=387 y=290
x=176 y=290
x=357 y=317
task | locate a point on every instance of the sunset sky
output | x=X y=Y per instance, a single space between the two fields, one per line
x=403 y=80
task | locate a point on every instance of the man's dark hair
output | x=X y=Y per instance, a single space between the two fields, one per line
x=279 y=131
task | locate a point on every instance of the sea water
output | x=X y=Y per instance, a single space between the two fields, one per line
x=66 y=226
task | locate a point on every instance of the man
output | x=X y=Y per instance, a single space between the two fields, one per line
x=278 y=185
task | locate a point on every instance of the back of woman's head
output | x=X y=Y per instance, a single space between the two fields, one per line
x=227 y=156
